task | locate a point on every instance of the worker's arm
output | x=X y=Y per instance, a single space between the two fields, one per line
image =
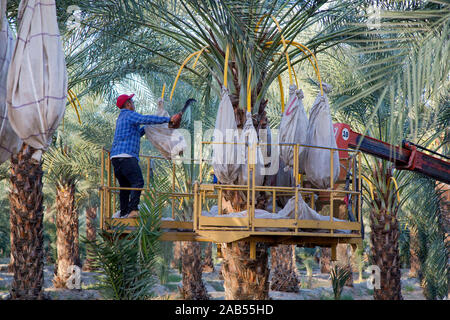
x=136 y=118
x=142 y=131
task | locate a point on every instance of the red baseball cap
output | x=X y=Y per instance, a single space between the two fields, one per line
x=122 y=99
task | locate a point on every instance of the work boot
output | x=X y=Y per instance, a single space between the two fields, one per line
x=133 y=214
x=116 y=215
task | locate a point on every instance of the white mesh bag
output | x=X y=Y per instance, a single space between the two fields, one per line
x=225 y=159
x=249 y=137
x=10 y=142
x=293 y=128
x=169 y=142
x=321 y=133
x=37 y=78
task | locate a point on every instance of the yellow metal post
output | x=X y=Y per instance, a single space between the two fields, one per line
x=355 y=179
x=331 y=187
x=252 y=250
x=108 y=190
x=200 y=163
x=253 y=186
x=249 y=216
x=115 y=192
x=102 y=165
x=102 y=170
x=219 y=201
x=274 y=200
x=295 y=172
x=196 y=211
x=333 y=253
x=219 y=250
x=173 y=190
x=360 y=186
x=148 y=173
x=101 y=208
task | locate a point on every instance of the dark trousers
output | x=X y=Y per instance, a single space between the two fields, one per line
x=129 y=174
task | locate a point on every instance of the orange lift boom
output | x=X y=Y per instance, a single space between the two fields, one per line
x=406 y=157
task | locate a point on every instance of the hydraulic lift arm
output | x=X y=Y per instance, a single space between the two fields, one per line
x=406 y=157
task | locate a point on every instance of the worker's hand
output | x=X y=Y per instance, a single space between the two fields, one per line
x=160 y=103
x=175 y=121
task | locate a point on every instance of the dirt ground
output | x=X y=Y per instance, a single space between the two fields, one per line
x=318 y=287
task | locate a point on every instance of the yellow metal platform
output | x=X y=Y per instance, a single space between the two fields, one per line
x=222 y=229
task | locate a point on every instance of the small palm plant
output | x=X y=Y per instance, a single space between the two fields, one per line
x=163 y=262
x=128 y=260
x=360 y=263
x=338 y=277
x=308 y=262
x=193 y=287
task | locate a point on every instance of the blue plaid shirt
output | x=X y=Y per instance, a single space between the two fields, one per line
x=128 y=132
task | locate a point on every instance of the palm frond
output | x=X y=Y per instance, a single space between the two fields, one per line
x=128 y=260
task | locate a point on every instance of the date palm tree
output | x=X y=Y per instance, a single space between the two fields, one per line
x=385 y=234
x=176 y=260
x=91 y=235
x=26 y=225
x=394 y=95
x=424 y=215
x=414 y=249
x=193 y=287
x=65 y=167
x=284 y=269
x=208 y=264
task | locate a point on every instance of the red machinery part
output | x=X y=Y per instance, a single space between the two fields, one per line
x=406 y=157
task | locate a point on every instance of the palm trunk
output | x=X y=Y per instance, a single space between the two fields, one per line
x=245 y=278
x=26 y=223
x=343 y=251
x=414 y=248
x=343 y=254
x=444 y=204
x=284 y=269
x=445 y=210
x=193 y=286
x=91 y=234
x=343 y=257
x=325 y=260
x=385 y=254
x=175 y=263
x=66 y=233
x=208 y=265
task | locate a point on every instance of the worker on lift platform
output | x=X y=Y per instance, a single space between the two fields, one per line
x=125 y=152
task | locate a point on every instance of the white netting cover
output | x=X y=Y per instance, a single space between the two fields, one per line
x=37 y=78
x=250 y=137
x=10 y=143
x=2 y=13
x=304 y=212
x=321 y=133
x=284 y=179
x=225 y=156
x=293 y=128
x=169 y=142
x=265 y=139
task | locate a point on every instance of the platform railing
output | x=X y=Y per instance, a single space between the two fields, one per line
x=249 y=223
x=203 y=191
x=109 y=190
